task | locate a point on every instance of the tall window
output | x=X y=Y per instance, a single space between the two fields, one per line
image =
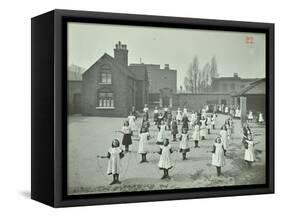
x=105 y=99
x=105 y=75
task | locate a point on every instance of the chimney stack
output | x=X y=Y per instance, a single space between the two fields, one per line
x=166 y=66
x=121 y=54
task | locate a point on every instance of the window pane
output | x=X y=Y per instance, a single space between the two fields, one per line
x=100 y=102
x=107 y=103
x=109 y=78
x=103 y=77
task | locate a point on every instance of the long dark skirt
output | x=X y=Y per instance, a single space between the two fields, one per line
x=127 y=139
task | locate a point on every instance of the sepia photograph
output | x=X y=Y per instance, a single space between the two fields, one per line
x=158 y=108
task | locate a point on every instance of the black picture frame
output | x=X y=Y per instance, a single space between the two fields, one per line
x=49 y=107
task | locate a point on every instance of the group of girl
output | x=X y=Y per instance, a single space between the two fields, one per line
x=259 y=117
x=200 y=122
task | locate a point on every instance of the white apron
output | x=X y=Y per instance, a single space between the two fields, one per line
x=250 y=152
x=143 y=143
x=165 y=161
x=218 y=158
x=113 y=166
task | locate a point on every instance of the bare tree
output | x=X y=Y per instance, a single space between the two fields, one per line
x=195 y=71
x=190 y=78
x=186 y=83
x=206 y=74
x=214 y=68
x=198 y=80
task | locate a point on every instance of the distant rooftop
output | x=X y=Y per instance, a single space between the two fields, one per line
x=251 y=86
x=235 y=77
x=74 y=73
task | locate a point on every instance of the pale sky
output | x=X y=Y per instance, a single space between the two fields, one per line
x=177 y=47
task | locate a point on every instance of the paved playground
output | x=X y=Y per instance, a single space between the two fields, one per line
x=92 y=136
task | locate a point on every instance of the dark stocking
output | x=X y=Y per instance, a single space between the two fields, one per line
x=127 y=148
x=218 y=171
x=184 y=155
x=117 y=179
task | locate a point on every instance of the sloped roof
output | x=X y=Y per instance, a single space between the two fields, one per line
x=235 y=78
x=251 y=86
x=122 y=68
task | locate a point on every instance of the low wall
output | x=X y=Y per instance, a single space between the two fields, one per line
x=196 y=101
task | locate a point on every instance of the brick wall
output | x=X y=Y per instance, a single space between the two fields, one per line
x=161 y=78
x=196 y=101
x=122 y=87
x=74 y=93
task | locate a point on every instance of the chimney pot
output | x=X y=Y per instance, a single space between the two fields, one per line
x=121 y=54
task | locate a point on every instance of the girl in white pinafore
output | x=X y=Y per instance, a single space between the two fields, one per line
x=250 y=116
x=209 y=124
x=160 y=136
x=179 y=116
x=226 y=110
x=213 y=121
x=261 y=120
x=237 y=113
x=193 y=118
x=142 y=150
x=196 y=135
x=224 y=137
x=115 y=154
x=184 y=144
x=132 y=123
x=203 y=113
x=218 y=158
x=165 y=161
x=185 y=111
x=228 y=130
x=203 y=129
x=249 y=155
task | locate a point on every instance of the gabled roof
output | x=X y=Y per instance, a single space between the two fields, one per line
x=252 y=85
x=122 y=68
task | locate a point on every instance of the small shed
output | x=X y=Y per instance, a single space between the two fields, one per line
x=254 y=95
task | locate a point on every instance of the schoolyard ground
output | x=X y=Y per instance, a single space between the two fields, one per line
x=92 y=136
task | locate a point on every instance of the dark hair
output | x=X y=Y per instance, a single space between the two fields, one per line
x=143 y=129
x=166 y=140
x=218 y=138
x=126 y=123
x=223 y=127
x=116 y=141
x=184 y=130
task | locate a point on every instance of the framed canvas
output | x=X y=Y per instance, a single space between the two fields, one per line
x=134 y=108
